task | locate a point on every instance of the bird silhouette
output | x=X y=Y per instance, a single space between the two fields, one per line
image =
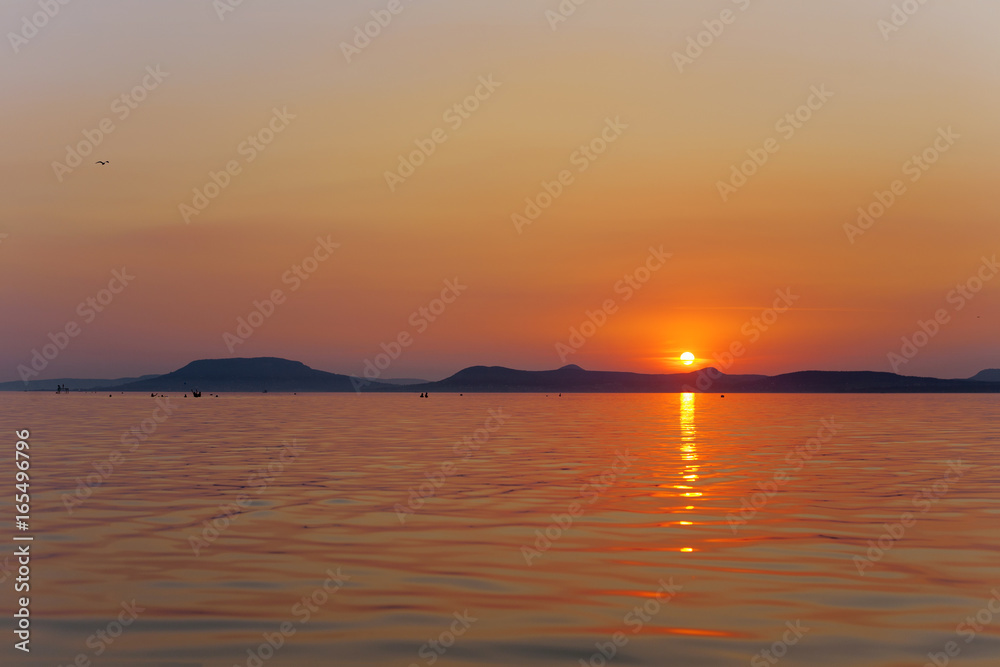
x=103 y=162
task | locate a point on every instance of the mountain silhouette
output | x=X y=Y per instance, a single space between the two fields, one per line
x=74 y=384
x=575 y=379
x=570 y=378
x=272 y=374
x=250 y=375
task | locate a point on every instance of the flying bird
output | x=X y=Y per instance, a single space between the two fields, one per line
x=103 y=162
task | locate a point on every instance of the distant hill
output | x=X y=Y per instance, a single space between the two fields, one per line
x=575 y=379
x=570 y=378
x=862 y=382
x=249 y=375
x=989 y=375
x=72 y=383
x=402 y=381
x=281 y=375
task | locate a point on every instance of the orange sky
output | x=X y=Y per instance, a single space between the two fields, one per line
x=550 y=92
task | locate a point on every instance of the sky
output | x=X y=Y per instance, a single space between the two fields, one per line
x=693 y=165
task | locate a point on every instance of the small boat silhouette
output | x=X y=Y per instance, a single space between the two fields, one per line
x=195 y=393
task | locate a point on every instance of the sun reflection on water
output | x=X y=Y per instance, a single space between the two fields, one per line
x=689 y=451
x=689 y=454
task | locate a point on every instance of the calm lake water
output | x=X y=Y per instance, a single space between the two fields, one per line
x=627 y=507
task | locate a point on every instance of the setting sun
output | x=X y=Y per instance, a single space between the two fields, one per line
x=516 y=214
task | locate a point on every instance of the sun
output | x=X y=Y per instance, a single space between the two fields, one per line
x=687 y=358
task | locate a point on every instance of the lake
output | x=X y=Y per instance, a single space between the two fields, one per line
x=496 y=529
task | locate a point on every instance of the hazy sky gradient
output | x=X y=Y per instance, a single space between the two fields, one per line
x=656 y=185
